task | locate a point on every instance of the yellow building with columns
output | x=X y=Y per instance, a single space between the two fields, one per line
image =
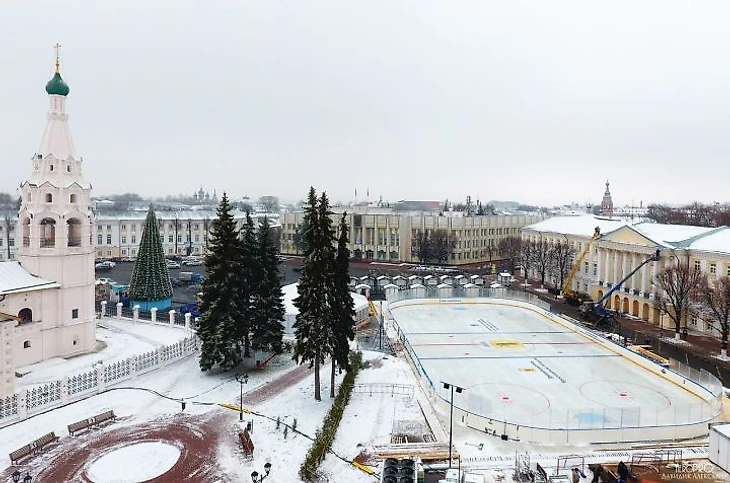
x=622 y=246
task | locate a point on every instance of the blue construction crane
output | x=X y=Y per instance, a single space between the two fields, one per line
x=595 y=310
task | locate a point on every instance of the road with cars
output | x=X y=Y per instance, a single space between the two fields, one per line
x=290 y=269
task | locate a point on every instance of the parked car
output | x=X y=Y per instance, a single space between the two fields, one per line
x=105 y=280
x=192 y=262
x=104 y=266
x=172 y=264
x=191 y=277
x=127 y=259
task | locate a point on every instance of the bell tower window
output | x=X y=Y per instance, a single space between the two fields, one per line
x=49 y=198
x=73 y=232
x=51 y=167
x=48 y=233
x=72 y=198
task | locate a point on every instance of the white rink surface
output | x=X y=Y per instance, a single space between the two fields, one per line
x=518 y=365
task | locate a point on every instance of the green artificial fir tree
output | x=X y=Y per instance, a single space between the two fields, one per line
x=150 y=280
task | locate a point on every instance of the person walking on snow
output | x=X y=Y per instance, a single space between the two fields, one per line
x=597 y=472
x=576 y=475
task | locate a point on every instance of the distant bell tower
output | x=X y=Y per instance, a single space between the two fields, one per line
x=607 y=203
x=55 y=229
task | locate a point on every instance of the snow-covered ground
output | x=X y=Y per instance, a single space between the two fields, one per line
x=142 y=461
x=368 y=421
x=117 y=339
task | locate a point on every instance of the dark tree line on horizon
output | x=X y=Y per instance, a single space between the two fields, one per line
x=694 y=214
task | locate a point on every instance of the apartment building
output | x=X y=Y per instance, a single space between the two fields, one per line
x=386 y=235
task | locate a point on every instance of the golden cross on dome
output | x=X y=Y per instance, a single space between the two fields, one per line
x=58 y=62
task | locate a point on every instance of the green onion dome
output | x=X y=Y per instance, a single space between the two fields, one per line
x=57 y=86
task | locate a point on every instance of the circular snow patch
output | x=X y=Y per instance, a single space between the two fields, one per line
x=134 y=463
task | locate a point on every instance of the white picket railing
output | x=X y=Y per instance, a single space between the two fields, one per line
x=43 y=397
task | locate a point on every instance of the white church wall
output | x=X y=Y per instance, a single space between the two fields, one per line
x=7 y=369
x=27 y=344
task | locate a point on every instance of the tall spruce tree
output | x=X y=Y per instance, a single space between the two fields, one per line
x=342 y=319
x=221 y=306
x=268 y=305
x=150 y=279
x=311 y=327
x=248 y=280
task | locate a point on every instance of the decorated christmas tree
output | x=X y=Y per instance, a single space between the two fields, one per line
x=150 y=286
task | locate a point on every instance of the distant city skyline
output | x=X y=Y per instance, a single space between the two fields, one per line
x=537 y=102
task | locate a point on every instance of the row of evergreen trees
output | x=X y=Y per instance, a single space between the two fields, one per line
x=324 y=325
x=242 y=303
x=242 y=306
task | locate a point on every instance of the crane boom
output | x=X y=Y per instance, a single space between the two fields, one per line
x=569 y=294
x=596 y=308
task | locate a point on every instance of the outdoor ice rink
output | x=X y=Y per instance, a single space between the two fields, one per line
x=518 y=365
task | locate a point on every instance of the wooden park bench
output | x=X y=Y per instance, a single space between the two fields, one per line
x=246 y=444
x=43 y=441
x=33 y=448
x=104 y=417
x=97 y=420
x=20 y=453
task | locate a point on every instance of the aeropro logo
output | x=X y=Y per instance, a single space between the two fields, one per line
x=699 y=471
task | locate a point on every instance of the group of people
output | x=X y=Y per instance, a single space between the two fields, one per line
x=597 y=470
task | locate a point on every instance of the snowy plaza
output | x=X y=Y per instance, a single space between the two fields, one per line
x=530 y=375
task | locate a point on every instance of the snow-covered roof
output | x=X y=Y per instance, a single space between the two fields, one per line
x=583 y=225
x=674 y=235
x=718 y=242
x=290 y=293
x=15 y=279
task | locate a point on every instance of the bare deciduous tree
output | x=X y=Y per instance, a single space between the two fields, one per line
x=541 y=258
x=714 y=298
x=421 y=246
x=526 y=256
x=510 y=248
x=442 y=246
x=561 y=256
x=678 y=282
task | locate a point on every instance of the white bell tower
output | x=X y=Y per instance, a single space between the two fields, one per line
x=55 y=231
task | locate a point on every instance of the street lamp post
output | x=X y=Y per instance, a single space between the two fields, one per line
x=241 y=379
x=380 y=327
x=449 y=386
x=255 y=474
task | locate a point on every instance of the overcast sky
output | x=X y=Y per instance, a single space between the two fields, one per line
x=539 y=102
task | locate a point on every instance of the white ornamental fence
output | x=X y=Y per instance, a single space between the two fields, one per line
x=40 y=398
